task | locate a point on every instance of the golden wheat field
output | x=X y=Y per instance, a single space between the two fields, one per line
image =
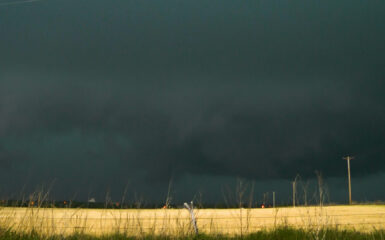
x=49 y=221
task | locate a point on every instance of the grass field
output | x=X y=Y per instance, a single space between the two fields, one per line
x=177 y=222
x=277 y=234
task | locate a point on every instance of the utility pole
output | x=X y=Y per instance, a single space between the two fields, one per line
x=294 y=193
x=348 y=158
x=273 y=199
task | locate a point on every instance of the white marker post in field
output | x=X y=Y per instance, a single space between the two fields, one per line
x=190 y=208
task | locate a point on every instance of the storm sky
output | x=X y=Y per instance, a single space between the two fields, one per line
x=95 y=94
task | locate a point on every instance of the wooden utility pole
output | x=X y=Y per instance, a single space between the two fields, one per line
x=273 y=199
x=294 y=193
x=348 y=158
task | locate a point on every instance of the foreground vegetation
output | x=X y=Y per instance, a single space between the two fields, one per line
x=317 y=223
x=277 y=234
x=177 y=222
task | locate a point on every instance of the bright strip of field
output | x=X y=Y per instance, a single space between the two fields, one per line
x=177 y=221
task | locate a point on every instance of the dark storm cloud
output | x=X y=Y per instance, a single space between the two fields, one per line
x=256 y=89
x=256 y=131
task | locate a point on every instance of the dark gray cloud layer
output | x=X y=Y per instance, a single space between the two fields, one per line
x=102 y=90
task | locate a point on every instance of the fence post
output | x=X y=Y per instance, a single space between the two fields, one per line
x=193 y=220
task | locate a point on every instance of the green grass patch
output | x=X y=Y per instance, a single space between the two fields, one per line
x=283 y=233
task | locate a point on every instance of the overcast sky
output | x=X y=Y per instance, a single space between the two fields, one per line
x=98 y=93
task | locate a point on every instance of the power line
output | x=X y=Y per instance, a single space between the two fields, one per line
x=17 y=2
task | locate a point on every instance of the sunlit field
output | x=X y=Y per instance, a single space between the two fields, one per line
x=177 y=222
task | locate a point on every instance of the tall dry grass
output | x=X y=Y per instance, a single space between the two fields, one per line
x=43 y=219
x=177 y=222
